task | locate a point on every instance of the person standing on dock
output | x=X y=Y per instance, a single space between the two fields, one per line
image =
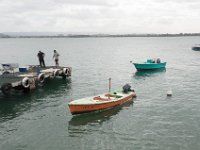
x=56 y=57
x=41 y=58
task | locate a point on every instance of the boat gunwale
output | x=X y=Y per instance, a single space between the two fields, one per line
x=100 y=106
x=102 y=109
x=103 y=101
x=148 y=63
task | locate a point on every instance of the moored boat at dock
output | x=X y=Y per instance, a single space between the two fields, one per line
x=27 y=78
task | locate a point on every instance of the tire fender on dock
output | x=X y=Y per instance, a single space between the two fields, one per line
x=66 y=71
x=55 y=73
x=6 y=88
x=26 y=82
x=41 y=77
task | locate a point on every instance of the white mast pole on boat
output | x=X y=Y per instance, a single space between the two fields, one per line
x=109 y=85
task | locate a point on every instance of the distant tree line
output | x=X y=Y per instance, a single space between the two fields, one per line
x=99 y=35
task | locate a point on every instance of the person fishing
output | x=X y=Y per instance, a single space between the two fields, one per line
x=41 y=58
x=56 y=57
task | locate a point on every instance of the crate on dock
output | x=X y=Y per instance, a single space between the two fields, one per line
x=23 y=69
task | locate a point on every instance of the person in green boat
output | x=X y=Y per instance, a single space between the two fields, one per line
x=158 y=60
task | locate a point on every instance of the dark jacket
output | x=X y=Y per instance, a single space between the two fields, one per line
x=40 y=55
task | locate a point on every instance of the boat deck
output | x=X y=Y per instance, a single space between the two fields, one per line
x=99 y=99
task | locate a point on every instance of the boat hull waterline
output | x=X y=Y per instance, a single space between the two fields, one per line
x=91 y=104
x=149 y=66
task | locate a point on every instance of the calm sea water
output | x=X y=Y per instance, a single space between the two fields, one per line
x=41 y=120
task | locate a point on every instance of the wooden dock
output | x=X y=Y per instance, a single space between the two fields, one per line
x=29 y=79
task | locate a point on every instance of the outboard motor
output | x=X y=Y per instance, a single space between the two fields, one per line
x=126 y=88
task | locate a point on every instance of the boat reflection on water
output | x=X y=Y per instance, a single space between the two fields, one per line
x=54 y=86
x=13 y=105
x=97 y=117
x=41 y=91
x=146 y=73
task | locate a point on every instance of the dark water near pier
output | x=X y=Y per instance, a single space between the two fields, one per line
x=41 y=120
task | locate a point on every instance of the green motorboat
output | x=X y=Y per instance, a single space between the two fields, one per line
x=150 y=64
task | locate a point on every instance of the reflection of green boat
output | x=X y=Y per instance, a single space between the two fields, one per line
x=150 y=65
x=146 y=73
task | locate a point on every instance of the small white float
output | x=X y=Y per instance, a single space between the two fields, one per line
x=169 y=93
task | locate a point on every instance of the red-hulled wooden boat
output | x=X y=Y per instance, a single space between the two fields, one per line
x=100 y=102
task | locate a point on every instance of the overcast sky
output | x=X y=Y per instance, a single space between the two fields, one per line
x=100 y=16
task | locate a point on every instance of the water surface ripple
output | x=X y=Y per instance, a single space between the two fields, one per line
x=41 y=120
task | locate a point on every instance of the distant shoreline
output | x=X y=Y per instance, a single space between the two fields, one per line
x=99 y=35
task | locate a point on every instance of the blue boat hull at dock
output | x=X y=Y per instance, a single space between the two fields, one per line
x=149 y=66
